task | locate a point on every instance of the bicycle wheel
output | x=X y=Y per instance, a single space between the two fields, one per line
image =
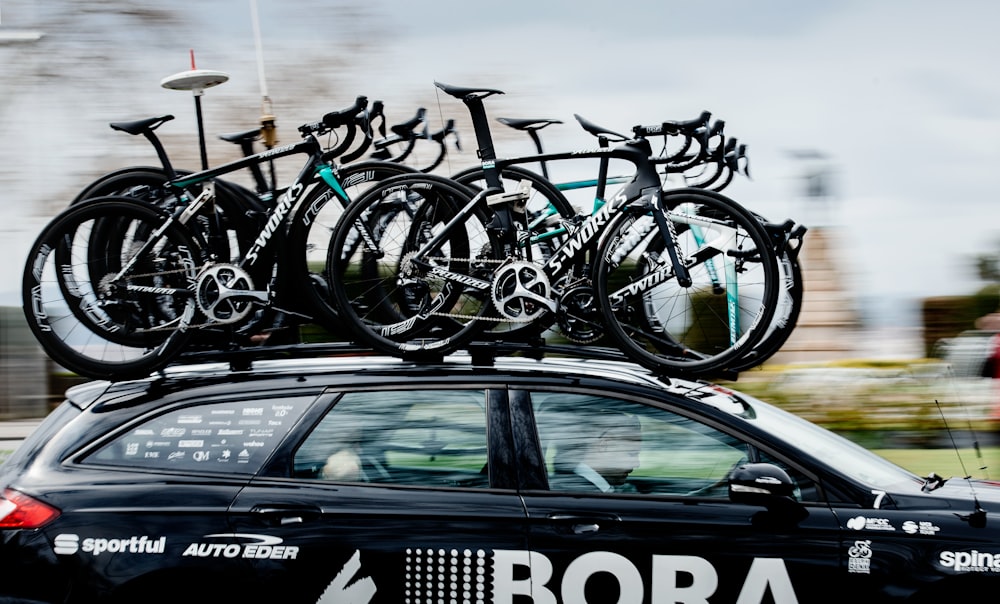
x=697 y=329
x=134 y=319
x=145 y=182
x=312 y=229
x=394 y=301
x=786 y=315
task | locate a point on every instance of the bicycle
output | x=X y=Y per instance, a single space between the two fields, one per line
x=428 y=286
x=127 y=307
x=233 y=199
x=722 y=162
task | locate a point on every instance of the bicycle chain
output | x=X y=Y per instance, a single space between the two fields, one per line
x=476 y=261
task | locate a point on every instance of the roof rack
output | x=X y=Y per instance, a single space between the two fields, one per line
x=242 y=359
x=482 y=353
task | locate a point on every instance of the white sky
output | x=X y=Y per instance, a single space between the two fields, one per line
x=902 y=96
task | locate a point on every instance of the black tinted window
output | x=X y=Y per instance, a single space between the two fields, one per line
x=424 y=438
x=232 y=437
x=596 y=443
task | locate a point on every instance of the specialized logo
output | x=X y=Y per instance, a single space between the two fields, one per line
x=277 y=216
x=68 y=544
x=585 y=233
x=259 y=547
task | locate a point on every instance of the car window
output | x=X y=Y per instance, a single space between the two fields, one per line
x=430 y=438
x=605 y=444
x=230 y=437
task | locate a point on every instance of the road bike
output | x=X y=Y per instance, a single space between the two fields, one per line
x=721 y=161
x=126 y=306
x=464 y=266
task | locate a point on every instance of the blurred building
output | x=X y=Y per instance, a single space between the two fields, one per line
x=829 y=326
x=24 y=369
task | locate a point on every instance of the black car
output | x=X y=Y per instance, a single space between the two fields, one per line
x=359 y=479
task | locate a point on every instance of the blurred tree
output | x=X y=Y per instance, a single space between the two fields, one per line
x=988 y=266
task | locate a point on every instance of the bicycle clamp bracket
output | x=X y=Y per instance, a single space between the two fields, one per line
x=518 y=199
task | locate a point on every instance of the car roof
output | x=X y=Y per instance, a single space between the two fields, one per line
x=336 y=361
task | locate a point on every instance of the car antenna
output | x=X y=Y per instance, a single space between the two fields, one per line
x=977 y=519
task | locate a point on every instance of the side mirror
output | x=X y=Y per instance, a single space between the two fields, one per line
x=757 y=483
x=768 y=486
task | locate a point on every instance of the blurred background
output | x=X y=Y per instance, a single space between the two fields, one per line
x=874 y=124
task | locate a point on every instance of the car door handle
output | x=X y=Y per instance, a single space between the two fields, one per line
x=283 y=515
x=585 y=523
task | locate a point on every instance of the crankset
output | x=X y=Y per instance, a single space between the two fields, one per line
x=225 y=293
x=521 y=291
x=579 y=317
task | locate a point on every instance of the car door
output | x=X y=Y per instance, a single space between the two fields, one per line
x=667 y=532
x=152 y=500
x=395 y=494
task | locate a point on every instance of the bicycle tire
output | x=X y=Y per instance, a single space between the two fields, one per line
x=786 y=315
x=312 y=229
x=238 y=214
x=667 y=327
x=124 y=181
x=151 y=304
x=391 y=303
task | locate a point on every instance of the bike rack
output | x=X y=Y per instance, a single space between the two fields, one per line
x=481 y=354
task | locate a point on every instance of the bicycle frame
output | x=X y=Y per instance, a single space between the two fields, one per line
x=316 y=169
x=644 y=185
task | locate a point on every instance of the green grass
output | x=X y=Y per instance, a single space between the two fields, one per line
x=946 y=462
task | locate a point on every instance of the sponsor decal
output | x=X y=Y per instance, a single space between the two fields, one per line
x=242 y=545
x=673 y=579
x=970 y=562
x=440 y=575
x=342 y=591
x=68 y=544
x=507 y=576
x=920 y=528
x=863 y=523
x=859 y=557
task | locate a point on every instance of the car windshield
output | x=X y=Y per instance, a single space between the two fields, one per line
x=844 y=456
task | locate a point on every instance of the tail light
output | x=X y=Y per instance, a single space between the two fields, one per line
x=20 y=511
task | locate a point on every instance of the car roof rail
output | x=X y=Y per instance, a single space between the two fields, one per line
x=481 y=353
